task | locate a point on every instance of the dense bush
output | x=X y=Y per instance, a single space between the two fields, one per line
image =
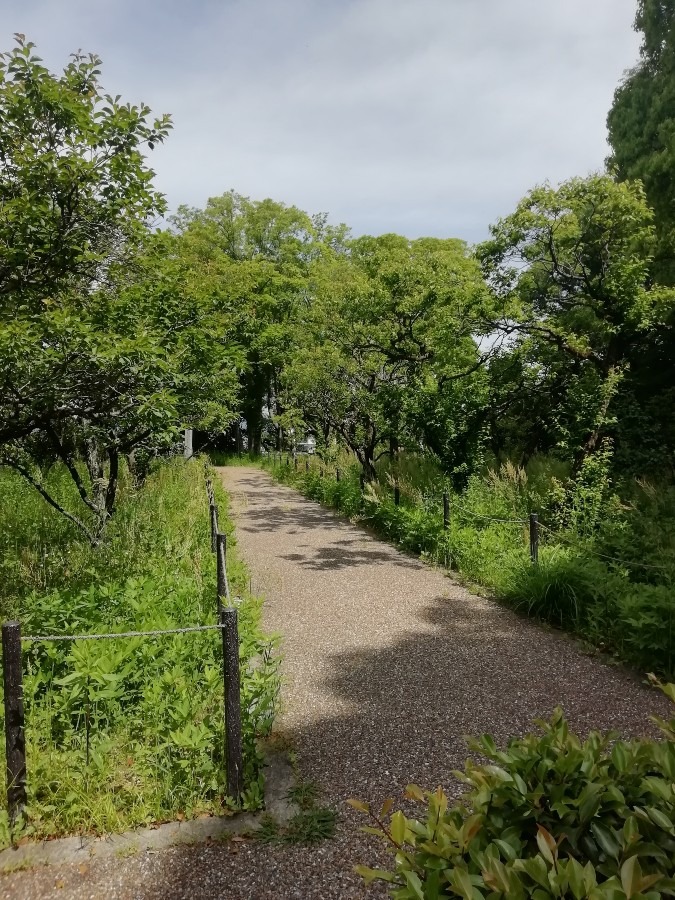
x=549 y=816
x=127 y=731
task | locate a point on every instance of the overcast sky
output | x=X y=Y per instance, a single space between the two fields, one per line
x=425 y=117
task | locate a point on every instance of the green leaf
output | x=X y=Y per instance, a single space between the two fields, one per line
x=359 y=805
x=412 y=879
x=607 y=839
x=397 y=827
x=370 y=875
x=547 y=845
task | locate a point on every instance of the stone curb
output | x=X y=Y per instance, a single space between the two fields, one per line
x=279 y=779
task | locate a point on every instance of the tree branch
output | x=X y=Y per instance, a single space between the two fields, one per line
x=57 y=506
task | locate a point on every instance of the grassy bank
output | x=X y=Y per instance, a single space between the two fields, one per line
x=606 y=567
x=124 y=732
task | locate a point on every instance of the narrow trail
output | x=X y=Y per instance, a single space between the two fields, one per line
x=387 y=663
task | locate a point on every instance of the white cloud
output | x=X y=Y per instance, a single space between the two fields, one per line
x=418 y=116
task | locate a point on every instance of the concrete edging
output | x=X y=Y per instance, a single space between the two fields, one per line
x=279 y=779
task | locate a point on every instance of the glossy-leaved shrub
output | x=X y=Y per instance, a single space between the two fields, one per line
x=549 y=816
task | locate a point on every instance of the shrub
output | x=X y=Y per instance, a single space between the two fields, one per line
x=549 y=816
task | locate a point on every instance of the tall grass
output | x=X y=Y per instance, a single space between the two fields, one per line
x=128 y=731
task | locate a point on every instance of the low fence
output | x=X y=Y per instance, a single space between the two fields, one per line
x=532 y=520
x=228 y=625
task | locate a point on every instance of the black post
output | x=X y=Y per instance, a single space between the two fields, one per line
x=307 y=465
x=321 y=473
x=446 y=511
x=295 y=462
x=337 y=474
x=223 y=588
x=213 y=514
x=288 y=459
x=15 y=734
x=534 y=537
x=233 y=755
x=397 y=494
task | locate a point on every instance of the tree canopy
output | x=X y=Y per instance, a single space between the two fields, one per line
x=641 y=125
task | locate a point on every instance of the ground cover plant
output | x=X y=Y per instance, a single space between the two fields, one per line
x=606 y=567
x=128 y=731
x=548 y=816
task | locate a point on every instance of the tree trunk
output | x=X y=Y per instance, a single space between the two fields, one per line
x=393 y=455
x=113 y=477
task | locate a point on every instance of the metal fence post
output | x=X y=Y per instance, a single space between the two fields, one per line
x=307 y=465
x=397 y=494
x=233 y=751
x=337 y=474
x=534 y=537
x=15 y=733
x=446 y=511
x=295 y=462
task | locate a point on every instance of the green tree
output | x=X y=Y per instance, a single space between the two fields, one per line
x=84 y=368
x=570 y=269
x=271 y=247
x=392 y=320
x=641 y=125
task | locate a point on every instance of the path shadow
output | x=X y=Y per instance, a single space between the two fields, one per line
x=338 y=556
x=275 y=518
x=413 y=700
x=461 y=669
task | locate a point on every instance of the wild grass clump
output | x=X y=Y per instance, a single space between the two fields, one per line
x=125 y=732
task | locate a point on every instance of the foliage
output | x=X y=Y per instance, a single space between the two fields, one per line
x=73 y=183
x=549 y=816
x=108 y=345
x=311 y=824
x=570 y=268
x=130 y=731
x=257 y=257
x=386 y=315
x=641 y=124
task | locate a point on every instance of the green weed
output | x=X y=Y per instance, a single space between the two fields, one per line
x=304 y=794
x=127 y=732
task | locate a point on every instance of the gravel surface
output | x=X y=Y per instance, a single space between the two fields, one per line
x=387 y=664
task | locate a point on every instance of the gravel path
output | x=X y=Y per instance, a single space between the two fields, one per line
x=387 y=664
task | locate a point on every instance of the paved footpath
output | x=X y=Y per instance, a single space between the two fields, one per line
x=387 y=663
